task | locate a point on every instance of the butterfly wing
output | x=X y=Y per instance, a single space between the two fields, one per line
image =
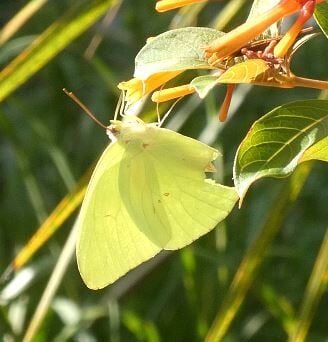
x=147 y=193
x=165 y=191
x=109 y=243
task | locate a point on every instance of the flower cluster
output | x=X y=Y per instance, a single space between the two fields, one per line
x=219 y=52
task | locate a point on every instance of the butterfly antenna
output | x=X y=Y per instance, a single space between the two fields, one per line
x=83 y=107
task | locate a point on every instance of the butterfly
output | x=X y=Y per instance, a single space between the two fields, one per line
x=148 y=193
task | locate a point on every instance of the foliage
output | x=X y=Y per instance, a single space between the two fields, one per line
x=265 y=256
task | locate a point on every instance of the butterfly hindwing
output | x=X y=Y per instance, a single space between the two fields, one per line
x=188 y=206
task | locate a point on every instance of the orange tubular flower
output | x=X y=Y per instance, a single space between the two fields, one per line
x=287 y=41
x=172 y=93
x=239 y=37
x=223 y=113
x=167 y=5
x=136 y=89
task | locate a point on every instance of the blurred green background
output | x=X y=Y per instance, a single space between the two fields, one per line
x=47 y=143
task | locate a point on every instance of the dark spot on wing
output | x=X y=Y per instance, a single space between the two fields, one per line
x=166 y=194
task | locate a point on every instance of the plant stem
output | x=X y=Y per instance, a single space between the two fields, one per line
x=307 y=82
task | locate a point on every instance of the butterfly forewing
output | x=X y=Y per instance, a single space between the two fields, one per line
x=109 y=242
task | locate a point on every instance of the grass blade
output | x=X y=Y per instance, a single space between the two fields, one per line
x=316 y=286
x=55 y=220
x=226 y=15
x=20 y=19
x=255 y=255
x=52 y=286
x=24 y=165
x=53 y=40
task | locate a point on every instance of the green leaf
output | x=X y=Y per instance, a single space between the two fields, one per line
x=259 y=7
x=175 y=50
x=50 y=43
x=318 y=151
x=204 y=84
x=276 y=143
x=250 y=71
x=299 y=43
x=321 y=16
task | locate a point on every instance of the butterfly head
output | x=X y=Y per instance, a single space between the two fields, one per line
x=130 y=129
